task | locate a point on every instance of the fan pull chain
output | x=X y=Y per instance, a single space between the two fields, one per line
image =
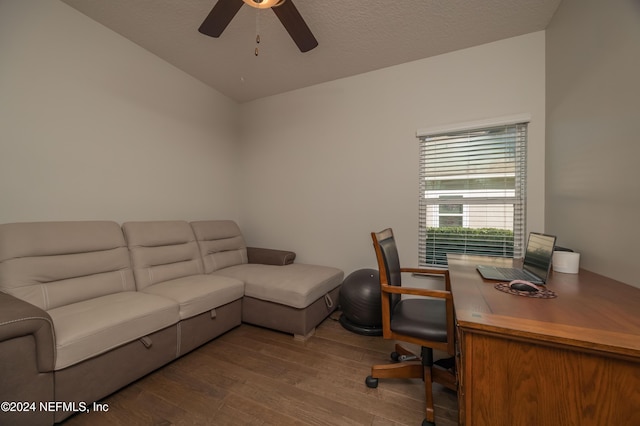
x=257 y=31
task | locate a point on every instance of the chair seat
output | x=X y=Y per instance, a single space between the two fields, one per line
x=421 y=318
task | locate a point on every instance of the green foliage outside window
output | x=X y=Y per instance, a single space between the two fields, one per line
x=474 y=241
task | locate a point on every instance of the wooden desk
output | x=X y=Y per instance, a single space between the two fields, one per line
x=572 y=360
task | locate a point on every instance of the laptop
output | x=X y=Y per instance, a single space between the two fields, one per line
x=536 y=266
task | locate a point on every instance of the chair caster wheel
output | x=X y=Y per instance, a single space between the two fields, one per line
x=428 y=423
x=395 y=356
x=371 y=382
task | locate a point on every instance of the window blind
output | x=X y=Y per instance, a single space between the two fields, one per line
x=472 y=193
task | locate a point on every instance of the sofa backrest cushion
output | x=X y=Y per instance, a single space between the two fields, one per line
x=221 y=244
x=162 y=251
x=53 y=264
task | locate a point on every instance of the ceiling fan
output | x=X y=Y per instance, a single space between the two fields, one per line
x=224 y=11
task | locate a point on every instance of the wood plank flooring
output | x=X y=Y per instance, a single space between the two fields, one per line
x=255 y=376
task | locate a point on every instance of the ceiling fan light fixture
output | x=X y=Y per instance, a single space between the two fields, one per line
x=263 y=4
x=224 y=11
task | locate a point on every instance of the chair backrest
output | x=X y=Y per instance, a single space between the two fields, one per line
x=162 y=251
x=53 y=264
x=388 y=261
x=221 y=244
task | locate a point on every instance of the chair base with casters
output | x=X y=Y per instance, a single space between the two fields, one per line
x=407 y=365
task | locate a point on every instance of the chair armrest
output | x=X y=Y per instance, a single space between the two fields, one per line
x=426 y=271
x=19 y=318
x=431 y=271
x=440 y=294
x=270 y=256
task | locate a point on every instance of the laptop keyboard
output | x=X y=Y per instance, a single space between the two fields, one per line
x=513 y=274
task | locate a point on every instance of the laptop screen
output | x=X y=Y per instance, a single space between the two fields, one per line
x=537 y=258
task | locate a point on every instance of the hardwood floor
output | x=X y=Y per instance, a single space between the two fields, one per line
x=255 y=376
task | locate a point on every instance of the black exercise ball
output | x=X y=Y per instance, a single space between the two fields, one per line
x=360 y=303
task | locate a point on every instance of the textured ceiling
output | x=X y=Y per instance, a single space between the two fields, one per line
x=354 y=36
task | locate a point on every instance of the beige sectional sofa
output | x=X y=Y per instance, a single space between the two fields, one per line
x=88 y=307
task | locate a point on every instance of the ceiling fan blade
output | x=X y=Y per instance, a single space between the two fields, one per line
x=219 y=17
x=295 y=25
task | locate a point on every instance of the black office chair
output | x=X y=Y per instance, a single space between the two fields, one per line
x=424 y=321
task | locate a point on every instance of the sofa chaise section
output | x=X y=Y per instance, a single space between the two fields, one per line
x=77 y=275
x=166 y=262
x=281 y=295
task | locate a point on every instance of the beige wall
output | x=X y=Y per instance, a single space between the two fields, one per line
x=92 y=126
x=324 y=166
x=593 y=122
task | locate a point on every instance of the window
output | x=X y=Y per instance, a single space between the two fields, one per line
x=472 y=192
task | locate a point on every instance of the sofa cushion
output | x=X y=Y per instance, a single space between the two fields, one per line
x=52 y=264
x=221 y=244
x=196 y=294
x=296 y=285
x=162 y=251
x=91 y=327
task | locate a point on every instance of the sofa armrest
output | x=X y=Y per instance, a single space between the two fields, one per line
x=19 y=318
x=270 y=256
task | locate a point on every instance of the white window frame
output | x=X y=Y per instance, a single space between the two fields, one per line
x=429 y=201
